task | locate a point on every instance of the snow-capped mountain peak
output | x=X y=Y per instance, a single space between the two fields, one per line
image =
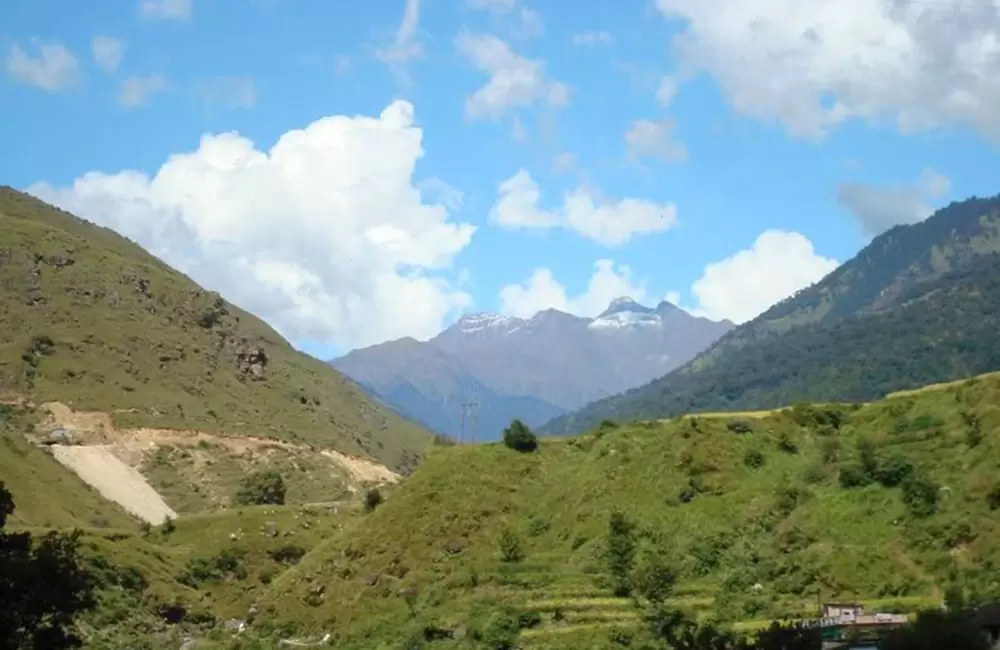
x=625 y=312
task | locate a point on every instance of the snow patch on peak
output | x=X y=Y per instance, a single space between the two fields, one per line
x=622 y=319
x=472 y=323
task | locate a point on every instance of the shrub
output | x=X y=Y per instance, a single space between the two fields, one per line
x=893 y=471
x=829 y=450
x=973 y=429
x=753 y=459
x=260 y=488
x=287 y=554
x=920 y=495
x=519 y=437
x=500 y=632
x=538 y=525
x=653 y=577
x=529 y=619
x=620 y=553
x=373 y=499
x=787 y=444
x=739 y=426
x=853 y=475
x=993 y=497
x=168 y=526
x=510 y=546
x=814 y=473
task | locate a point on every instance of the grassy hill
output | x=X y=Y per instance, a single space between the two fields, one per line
x=889 y=502
x=918 y=305
x=91 y=319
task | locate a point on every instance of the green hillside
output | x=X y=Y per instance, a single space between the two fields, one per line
x=920 y=304
x=759 y=517
x=91 y=319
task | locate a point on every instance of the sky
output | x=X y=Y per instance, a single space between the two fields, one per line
x=354 y=172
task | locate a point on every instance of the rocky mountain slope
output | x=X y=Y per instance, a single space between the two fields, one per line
x=919 y=304
x=92 y=320
x=532 y=369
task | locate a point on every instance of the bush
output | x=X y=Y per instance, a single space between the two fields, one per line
x=287 y=554
x=973 y=430
x=829 y=450
x=739 y=426
x=510 y=546
x=753 y=459
x=373 y=499
x=260 y=488
x=500 y=632
x=529 y=619
x=853 y=475
x=893 y=471
x=787 y=444
x=653 y=577
x=993 y=497
x=519 y=437
x=620 y=553
x=920 y=495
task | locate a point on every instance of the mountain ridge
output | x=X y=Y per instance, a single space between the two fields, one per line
x=946 y=263
x=530 y=368
x=93 y=320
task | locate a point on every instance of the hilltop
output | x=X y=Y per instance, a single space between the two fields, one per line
x=528 y=368
x=918 y=305
x=93 y=321
x=757 y=514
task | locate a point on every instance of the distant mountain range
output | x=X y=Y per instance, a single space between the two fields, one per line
x=919 y=304
x=533 y=369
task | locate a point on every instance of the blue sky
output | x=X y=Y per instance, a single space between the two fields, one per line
x=721 y=155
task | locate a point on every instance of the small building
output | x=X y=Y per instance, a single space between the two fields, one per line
x=846 y=626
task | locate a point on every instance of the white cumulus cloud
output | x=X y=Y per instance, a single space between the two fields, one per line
x=879 y=208
x=655 y=139
x=611 y=223
x=107 y=52
x=326 y=235
x=514 y=81
x=54 y=68
x=744 y=285
x=542 y=291
x=814 y=64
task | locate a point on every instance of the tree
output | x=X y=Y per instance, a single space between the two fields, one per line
x=260 y=488
x=935 y=629
x=519 y=437
x=42 y=587
x=653 y=577
x=620 y=553
x=791 y=636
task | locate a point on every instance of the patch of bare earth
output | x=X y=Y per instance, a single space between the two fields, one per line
x=131 y=446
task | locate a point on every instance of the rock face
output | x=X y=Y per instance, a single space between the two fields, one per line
x=533 y=369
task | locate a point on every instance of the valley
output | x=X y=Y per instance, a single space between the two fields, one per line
x=236 y=493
